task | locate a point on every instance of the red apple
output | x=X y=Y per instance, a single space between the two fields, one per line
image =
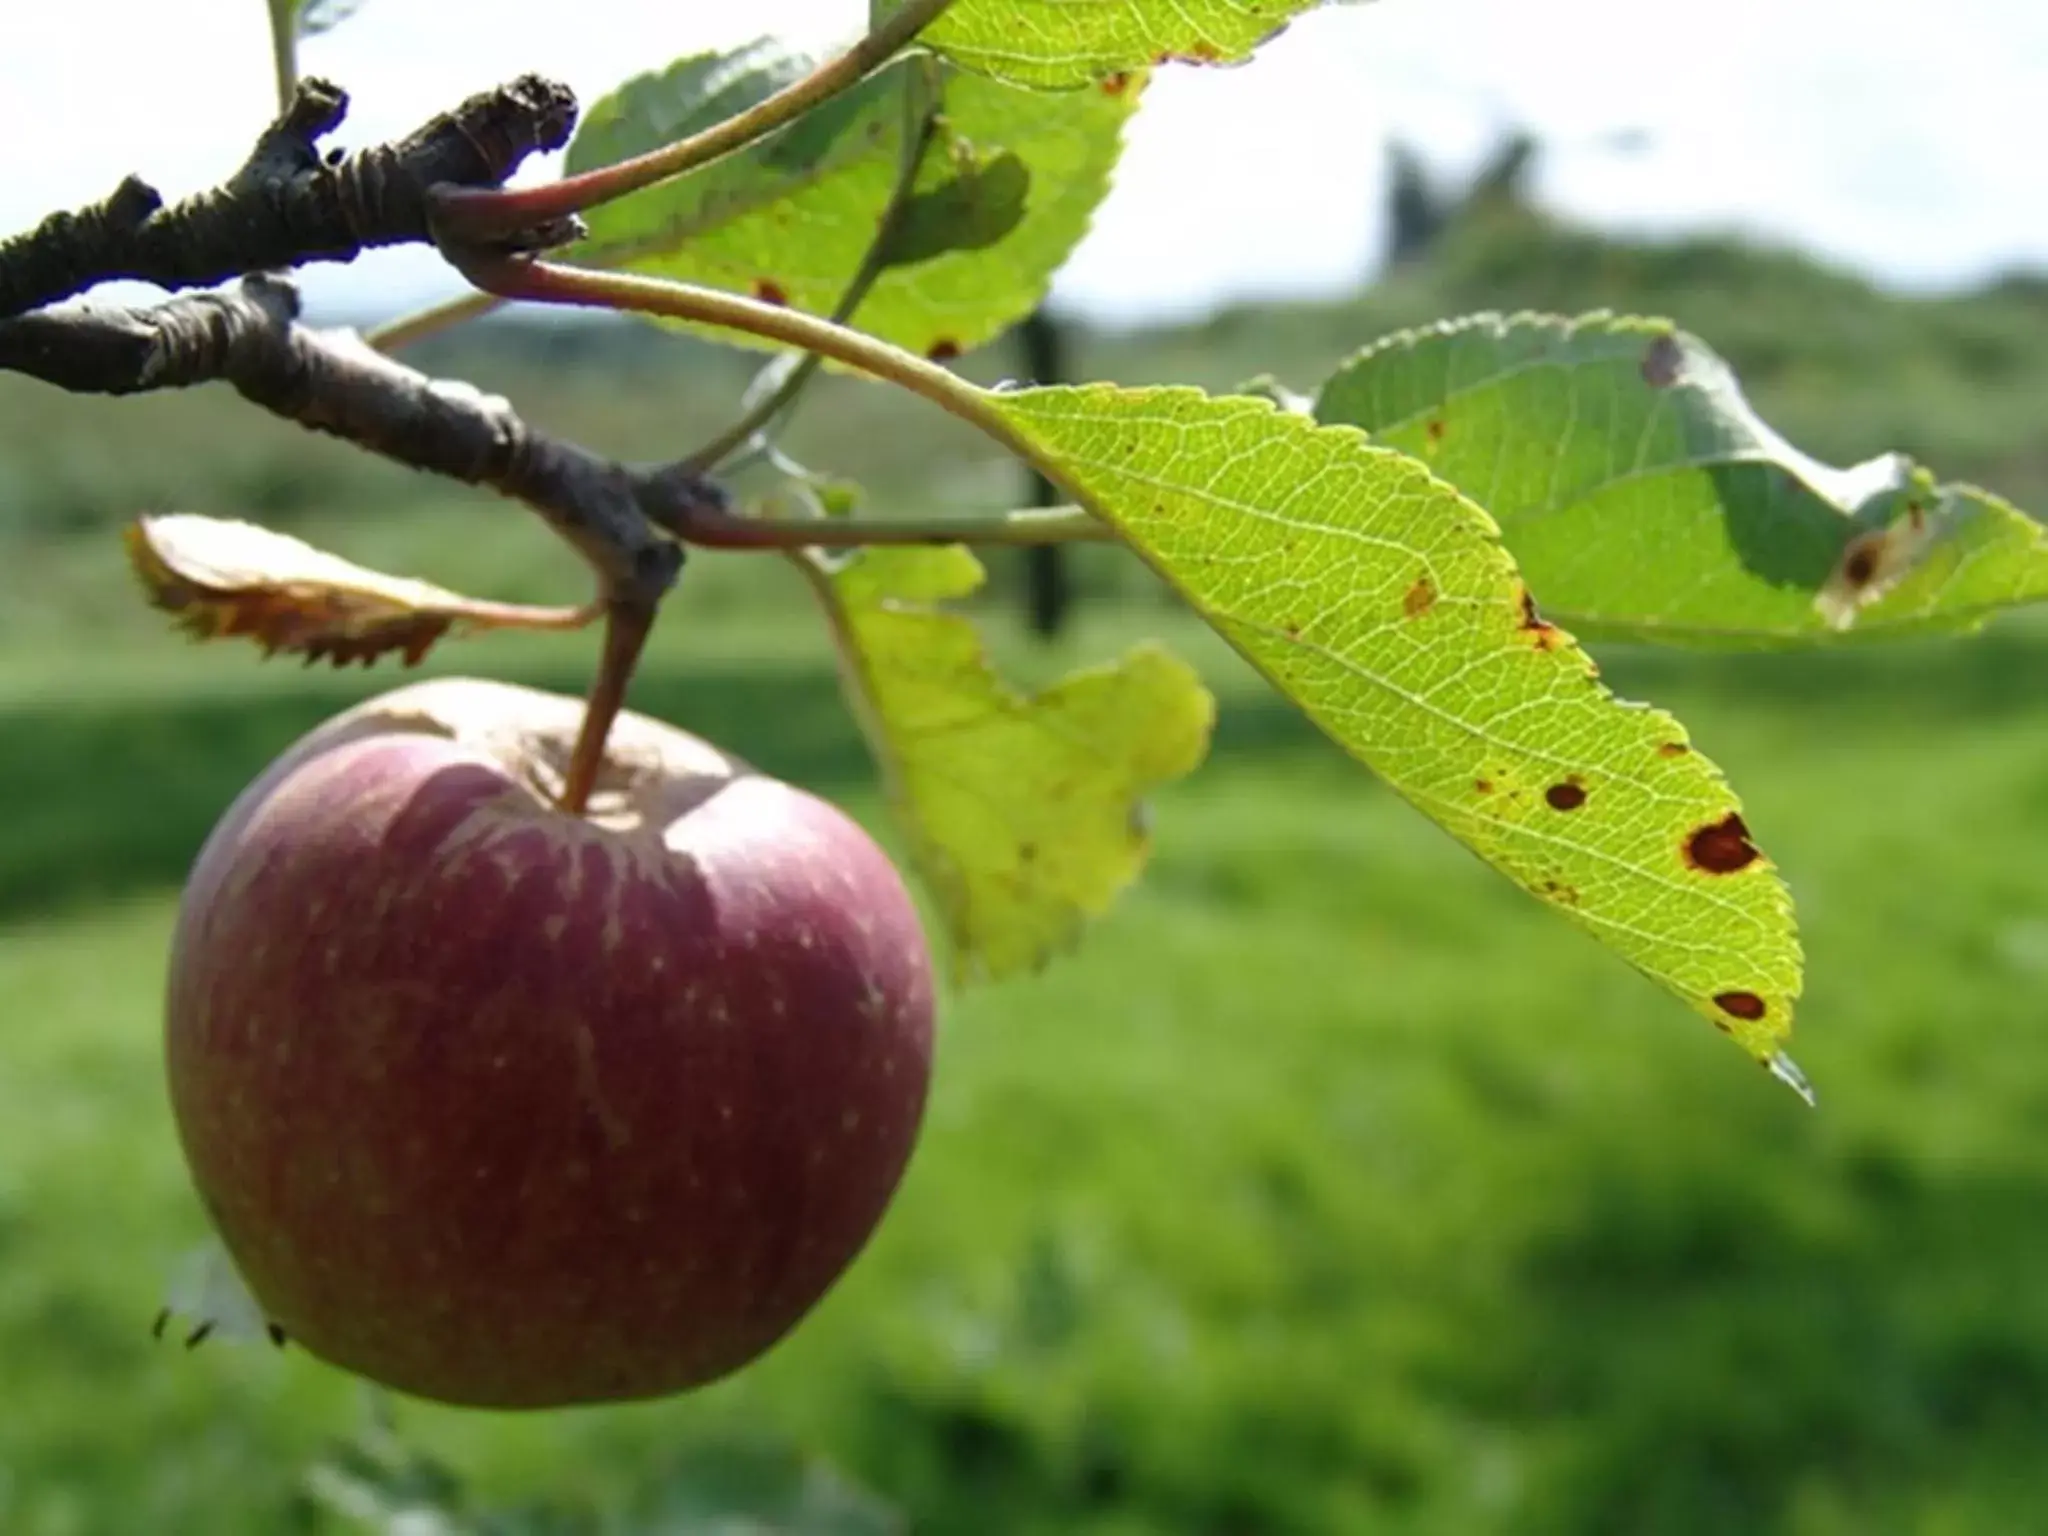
x=505 y=1107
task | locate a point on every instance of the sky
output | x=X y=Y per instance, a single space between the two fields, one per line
x=1894 y=137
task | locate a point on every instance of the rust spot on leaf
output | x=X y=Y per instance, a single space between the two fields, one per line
x=944 y=350
x=1561 y=893
x=1116 y=84
x=1663 y=362
x=1859 y=565
x=1420 y=598
x=1721 y=847
x=1484 y=786
x=1673 y=749
x=1742 y=1005
x=768 y=291
x=1566 y=796
x=1435 y=430
x=1545 y=633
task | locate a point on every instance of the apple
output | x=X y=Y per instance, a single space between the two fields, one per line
x=509 y=1108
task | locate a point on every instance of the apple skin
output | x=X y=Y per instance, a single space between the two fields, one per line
x=507 y=1108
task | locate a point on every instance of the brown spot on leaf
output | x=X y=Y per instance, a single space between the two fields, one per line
x=1673 y=749
x=768 y=291
x=1561 y=893
x=1663 y=362
x=1435 y=430
x=1484 y=786
x=1742 y=1005
x=1566 y=796
x=1545 y=633
x=944 y=350
x=1859 y=565
x=1116 y=84
x=1420 y=598
x=1721 y=847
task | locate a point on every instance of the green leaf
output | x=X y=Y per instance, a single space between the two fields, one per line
x=1000 y=200
x=1644 y=497
x=1382 y=603
x=981 y=204
x=1024 y=813
x=317 y=16
x=1053 y=44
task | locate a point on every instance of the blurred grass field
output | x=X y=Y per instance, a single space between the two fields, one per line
x=1332 y=1186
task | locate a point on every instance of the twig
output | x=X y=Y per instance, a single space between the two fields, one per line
x=331 y=382
x=482 y=217
x=289 y=204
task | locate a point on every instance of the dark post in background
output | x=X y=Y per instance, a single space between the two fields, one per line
x=1048 y=590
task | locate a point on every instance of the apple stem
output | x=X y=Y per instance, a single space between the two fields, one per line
x=626 y=626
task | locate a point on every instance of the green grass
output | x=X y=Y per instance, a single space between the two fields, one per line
x=1331 y=1186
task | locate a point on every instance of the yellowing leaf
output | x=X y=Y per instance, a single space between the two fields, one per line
x=1381 y=602
x=1024 y=813
x=221 y=579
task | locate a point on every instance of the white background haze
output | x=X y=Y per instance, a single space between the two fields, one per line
x=1900 y=140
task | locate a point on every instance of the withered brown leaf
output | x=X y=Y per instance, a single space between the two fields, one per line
x=220 y=578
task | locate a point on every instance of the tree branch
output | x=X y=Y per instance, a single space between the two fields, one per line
x=289 y=204
x=331 y=382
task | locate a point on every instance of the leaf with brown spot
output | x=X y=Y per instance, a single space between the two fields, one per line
x=1644 y=497
x=1262 y=519
x=221 y=579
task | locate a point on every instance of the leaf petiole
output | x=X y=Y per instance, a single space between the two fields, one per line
x=1037 y=525
x=284 y=49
